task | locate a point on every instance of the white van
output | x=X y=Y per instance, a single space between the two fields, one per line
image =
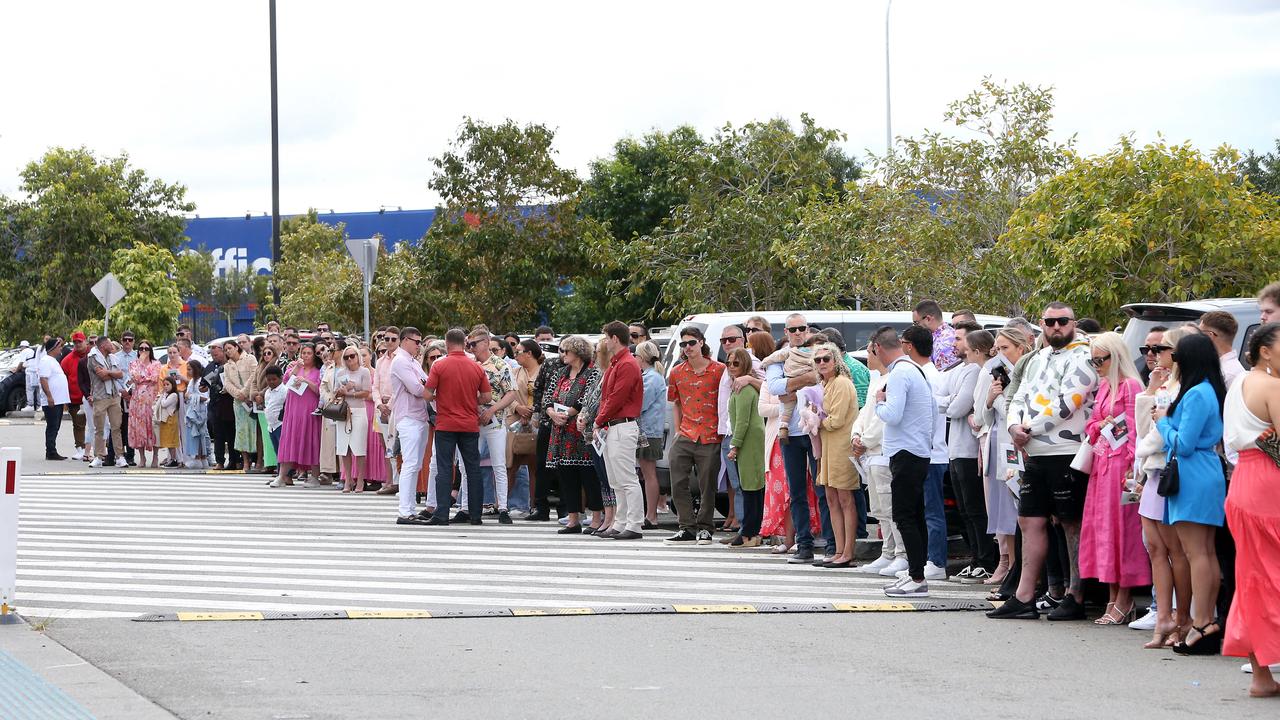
x=855 y=326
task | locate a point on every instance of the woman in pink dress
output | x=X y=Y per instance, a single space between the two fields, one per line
x=1253 y=512
x=376 y=464
x=1111 y=548
x=300 y=433
x=144 y=376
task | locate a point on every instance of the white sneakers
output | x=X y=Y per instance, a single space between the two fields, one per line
x=873 y=567
x=121 y=462
x=96 y=463
x=895 y=566
x=77 y=455
x=907 y=588
x=28 y=409
x=312 y=482
x=1146 y=622
x=933 y=572
x=279 y=482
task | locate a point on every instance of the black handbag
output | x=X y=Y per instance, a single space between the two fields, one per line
x=1168 y=486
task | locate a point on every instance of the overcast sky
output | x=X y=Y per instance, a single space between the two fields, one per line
x=370 y=91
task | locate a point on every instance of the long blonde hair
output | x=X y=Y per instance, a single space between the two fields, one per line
x=1122 y=367
x=1171 y=338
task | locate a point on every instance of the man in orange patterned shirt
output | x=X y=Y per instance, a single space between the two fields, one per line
x=694 y=388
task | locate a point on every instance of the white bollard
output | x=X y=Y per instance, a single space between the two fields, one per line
x=10 y=475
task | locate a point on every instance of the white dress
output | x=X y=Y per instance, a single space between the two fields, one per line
x=353 y=435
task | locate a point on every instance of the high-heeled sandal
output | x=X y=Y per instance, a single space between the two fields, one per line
x=1161 y=640
x=1113 y=616
x=1207 y=644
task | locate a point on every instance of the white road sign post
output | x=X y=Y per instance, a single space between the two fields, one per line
x=365 y=252
x=10 y=474
x=109 y=291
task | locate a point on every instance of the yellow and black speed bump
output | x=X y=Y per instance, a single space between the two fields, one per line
x=860 y=606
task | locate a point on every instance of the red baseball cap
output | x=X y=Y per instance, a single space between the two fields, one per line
x=77 y=335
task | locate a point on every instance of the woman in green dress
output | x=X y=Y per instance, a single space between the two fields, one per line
x=747 y=450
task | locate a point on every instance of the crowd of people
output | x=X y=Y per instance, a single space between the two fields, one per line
x=1069 y=459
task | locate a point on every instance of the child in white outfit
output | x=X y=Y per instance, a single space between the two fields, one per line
x=796 y=361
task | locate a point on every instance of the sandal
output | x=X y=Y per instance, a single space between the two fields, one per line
x=1162 y=639
x=1209 y=643
x=1113 y=616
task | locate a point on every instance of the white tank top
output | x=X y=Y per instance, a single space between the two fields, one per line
x=1240 y=427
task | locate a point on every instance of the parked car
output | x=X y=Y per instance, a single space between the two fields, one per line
x=13 y=385
x=1144 y=316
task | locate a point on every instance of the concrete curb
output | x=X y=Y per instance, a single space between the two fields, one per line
x=941 y=605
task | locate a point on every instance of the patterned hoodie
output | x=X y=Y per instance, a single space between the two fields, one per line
x=1055 y=398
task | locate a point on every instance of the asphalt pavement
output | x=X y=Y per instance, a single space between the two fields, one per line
x=879 y=665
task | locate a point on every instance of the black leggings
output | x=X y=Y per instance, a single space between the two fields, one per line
x=967 y=484
x=752 y=512
x=574 y=481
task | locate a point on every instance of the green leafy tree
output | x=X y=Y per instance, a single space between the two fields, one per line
x=508 y=233
x=631 y=193
x=726 y=247
x=318 y=280
x=61 y=239
x=1263 y=170
x=152 y=302
x=236 y=289
x=1154 y=223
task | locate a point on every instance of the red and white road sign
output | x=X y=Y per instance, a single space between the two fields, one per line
x=10 y=482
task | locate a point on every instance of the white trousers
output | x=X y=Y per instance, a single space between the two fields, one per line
x=495 y=437
x=880 y=498
x=620 y=465
x=413 y=443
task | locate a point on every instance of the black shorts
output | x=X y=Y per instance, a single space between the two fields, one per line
x=1051 y=488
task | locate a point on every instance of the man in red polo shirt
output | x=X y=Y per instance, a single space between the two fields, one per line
x=71 y=366
x=621 y=397
x=459 y=386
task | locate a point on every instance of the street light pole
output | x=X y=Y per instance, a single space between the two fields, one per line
x=888 y=108
x=275 y=161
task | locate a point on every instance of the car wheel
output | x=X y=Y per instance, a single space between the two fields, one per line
x=13 y=400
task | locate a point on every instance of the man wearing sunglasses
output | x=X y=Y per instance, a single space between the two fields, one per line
x=492 y=422
x=732 y=338
x=799 y=463
x=1149 y=353
x=929 y=315
x=693 y=390
x=409 y=398
x=1047 y=418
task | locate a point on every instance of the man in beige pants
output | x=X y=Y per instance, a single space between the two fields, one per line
x=621 y=398
x=105 y=399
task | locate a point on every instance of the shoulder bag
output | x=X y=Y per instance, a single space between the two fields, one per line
x=1083 y=461
x=1169 y=486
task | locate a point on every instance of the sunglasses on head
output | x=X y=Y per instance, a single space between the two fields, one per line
x=1153 y=349
x=1098 y=362
x=688 y=343
x=1062 y=321
x=797 y=328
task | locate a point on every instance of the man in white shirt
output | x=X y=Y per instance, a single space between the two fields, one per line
x=105 y=398
x=28 y=359
x=57 y=395
x=1221 y=328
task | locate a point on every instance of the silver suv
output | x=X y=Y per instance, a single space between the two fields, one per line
x=1144 y=316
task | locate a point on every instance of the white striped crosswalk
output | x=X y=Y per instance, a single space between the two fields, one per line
x=123 y=545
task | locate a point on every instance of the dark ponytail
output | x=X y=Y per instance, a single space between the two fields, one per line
x=1264 y=336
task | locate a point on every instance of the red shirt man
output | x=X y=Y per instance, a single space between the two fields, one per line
x=622 y=390
x=71 y=366
x=457 y=382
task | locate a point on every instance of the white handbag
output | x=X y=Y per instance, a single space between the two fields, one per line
x=1083 y=461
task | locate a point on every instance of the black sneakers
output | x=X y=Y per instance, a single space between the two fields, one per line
x=504 y=518
x=1068 y=609
x=1015 y=609
x=683 y=537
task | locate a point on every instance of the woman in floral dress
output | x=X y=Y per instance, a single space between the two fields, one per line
x=144 y=374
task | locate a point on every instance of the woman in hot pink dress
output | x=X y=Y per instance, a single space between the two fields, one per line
x=1111 y=548
x=300 y=433
x=144 y=375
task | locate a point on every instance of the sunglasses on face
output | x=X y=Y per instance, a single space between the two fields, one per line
x=636 y=336
x=1061 y=321
x=1098 y=362
x=734 y=363
x=348 y=357
x=727 y=340
x=414 y=340
x=1153 y=349
x=391 y=338
x=472 y=344
x=797 y=328
x=823 y=359
x=435 y=357
x=142 y=347
x=688 y=343
x=751 y=330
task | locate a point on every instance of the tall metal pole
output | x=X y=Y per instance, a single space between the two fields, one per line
x=888 y=108
x=275 y=161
